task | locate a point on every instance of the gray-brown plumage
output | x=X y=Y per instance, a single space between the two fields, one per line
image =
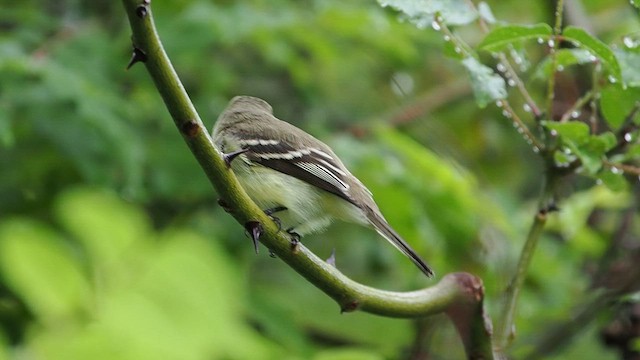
x=309 y=179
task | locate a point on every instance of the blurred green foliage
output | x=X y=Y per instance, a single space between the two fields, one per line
x=111 y=242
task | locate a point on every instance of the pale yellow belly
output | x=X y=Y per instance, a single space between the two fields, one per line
x=309 y=209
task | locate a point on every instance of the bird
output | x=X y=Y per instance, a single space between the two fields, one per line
x=287 y=171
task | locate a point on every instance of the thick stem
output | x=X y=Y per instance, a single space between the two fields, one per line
x=460 y=295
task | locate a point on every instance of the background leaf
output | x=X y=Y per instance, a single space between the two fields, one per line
x=617 y=103
x=583 y=39
x=564 y=59
x=147 y=266
x=499 y=38
x=487 y=85
x=43 y=270
x=422 y=13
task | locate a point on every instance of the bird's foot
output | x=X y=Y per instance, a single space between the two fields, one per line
x=269 y=212
x=295 y=240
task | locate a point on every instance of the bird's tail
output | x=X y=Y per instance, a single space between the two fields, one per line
x=383 y=228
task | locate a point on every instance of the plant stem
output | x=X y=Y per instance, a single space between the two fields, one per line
x=577 y=106
x=531 y=139
x=510 y=71
x=557 y=30
x=458 y=295
x=506 y=328
x=506 y=332
x=627 y=169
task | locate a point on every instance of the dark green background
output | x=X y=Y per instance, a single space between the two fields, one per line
x=111 y=242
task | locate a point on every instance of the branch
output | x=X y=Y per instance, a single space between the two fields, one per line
x=459 y=295
x=509 y=71
x=553 y=48
x=506 y=331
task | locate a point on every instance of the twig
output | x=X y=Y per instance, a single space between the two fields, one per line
x=555 y=39
x=520 y=126
x=627 y=169
x=506 y=329
x=430 y=101
x=512 y=74
x=504 y=103
x=593 y=104
x=510 y=71
x=577 y=106
x=459 y=295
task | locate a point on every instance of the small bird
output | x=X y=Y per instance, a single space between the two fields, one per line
x=285 y=170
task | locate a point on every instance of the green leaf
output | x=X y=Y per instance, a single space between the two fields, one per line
x=6 y=133
x=348 y=354
x=613 y=180
x=573 y=131
x=485 y=12
x=593 y=149
x=617 y=103
x=607 y=139
x=633 y=153
x=487 y=85
x=452 y=50
x=500 y=37
x=630 y=64
x=564 y=58
x=105 y=242
x=449 y=196
x=38 y=266
x=562 y=158
x=583 y=39
x=589 y=148
x=422 y=13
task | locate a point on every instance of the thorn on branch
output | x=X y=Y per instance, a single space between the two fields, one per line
x=331 y=260
x=228 y=158
x=351 y=306
x=551 y=207
x=142 y=10
x=225 y=206
x=190 y=129
x=137 y=56
x=254 y=228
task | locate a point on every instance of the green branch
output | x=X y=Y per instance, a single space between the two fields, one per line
x=459 y=295
x=557 y=31
x=506 y=330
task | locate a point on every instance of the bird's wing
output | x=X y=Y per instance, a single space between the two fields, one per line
x=314 y=166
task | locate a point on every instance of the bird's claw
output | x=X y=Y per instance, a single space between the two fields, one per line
x=295 y=240
x=269 y=212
